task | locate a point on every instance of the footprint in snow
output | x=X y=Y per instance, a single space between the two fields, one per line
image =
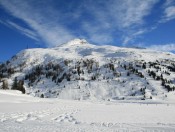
x=26 y=117
x=66 y=118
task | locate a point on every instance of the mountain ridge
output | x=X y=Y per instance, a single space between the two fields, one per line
x=79 y=70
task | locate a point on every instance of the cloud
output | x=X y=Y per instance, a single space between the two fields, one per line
x=98 y=21
x=134 y=35
x=123 y=13
x=35 y=15
x=132 y=12
x=168 y=3
x=168 y=11
x=165 y=47
x=29 y=33
x=124 y=16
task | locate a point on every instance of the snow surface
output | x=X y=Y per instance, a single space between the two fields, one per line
x=19 y=113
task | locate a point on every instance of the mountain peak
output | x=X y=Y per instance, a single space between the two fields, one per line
x=76 y=41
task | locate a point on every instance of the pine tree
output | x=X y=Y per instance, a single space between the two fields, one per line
x=144 y=66
x=21 y=87
x=42 y=96
x=128 y=74
x=15 y=84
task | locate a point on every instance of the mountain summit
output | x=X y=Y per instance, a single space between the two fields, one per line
x=82 y=71
x=76 y=42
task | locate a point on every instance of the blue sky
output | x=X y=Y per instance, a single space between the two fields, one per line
x=47 y=23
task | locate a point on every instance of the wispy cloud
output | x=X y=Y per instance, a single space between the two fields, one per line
x=98 y=21
x=50 y=31
x=168 y=11
x=134 y=35
x=164 y=47
x=132 y=12
x=125 y=16
x=27 y=32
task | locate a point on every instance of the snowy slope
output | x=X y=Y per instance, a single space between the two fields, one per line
x=80 y=71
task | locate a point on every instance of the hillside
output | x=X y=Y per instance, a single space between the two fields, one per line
x=82 y=71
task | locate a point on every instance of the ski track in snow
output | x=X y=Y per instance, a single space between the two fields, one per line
x=41 y=115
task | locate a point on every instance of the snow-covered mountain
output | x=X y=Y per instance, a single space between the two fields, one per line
x=79 y=70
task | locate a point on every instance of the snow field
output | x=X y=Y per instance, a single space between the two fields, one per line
x=35 y=114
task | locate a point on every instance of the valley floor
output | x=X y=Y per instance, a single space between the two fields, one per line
x=19 y=113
